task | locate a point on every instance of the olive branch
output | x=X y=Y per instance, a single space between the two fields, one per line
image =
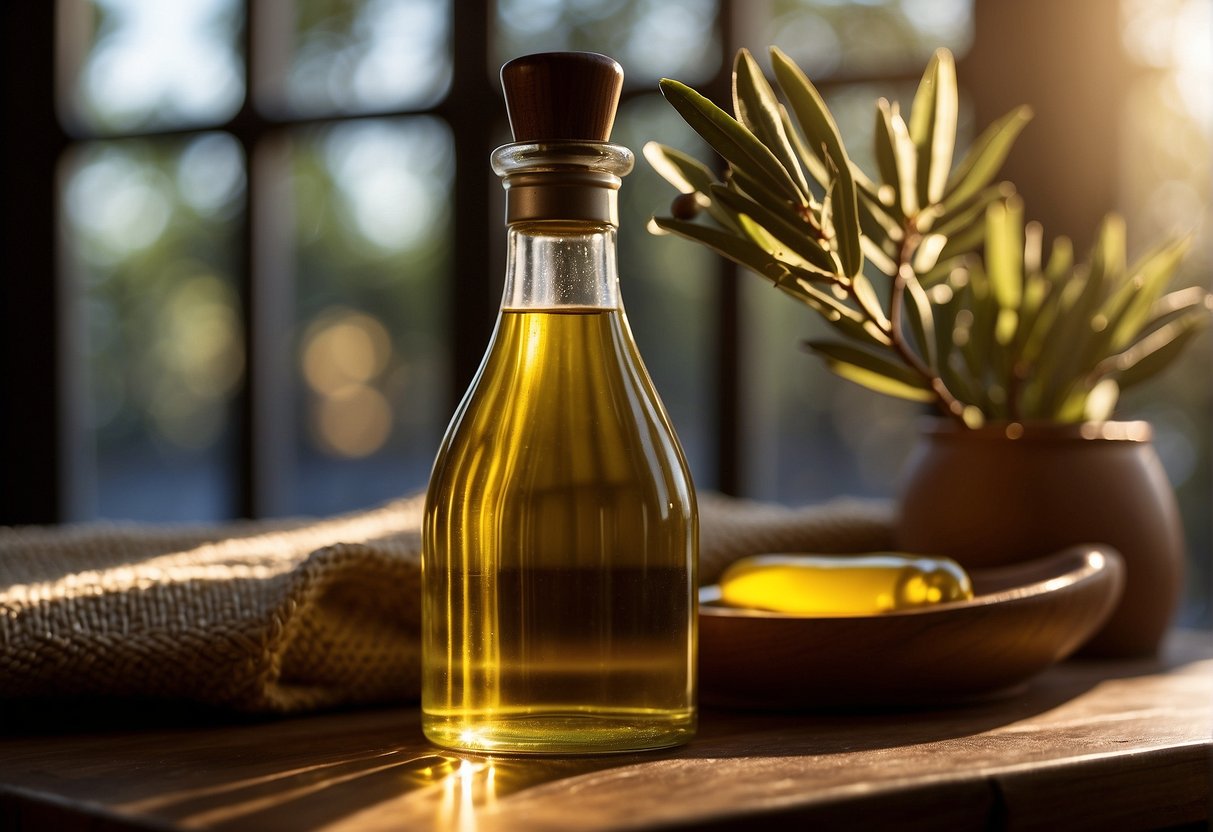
x=938 y=289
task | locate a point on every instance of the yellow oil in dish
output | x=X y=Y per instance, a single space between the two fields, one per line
x=559 y=549
x=842 y=585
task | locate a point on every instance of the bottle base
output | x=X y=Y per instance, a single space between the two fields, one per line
x=560 y=732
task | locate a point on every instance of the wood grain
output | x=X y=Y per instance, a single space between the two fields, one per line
x=1022 y=619
x=554 y=96
x=1109 y=745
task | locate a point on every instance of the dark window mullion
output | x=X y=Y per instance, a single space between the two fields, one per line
x=472 y=108
x=246 y=497
x=253 y=427
x=34 y=352
x=267 y=453
x=729 y=447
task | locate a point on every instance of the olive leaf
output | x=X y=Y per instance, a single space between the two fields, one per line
x=887 y=161
x=681 y=170
x=971 y=214
x=849 y=322
x=825 y=142
x=933 y=125
x=686 y=174
x=1153 y=353
x=920 y=317
x=869 y=301
x=740 y=250
x=1151 y=277
x=739 y=147
x=759 y=111
x=1004 y=263
x=872 y=371
x=905 y=155
x=984 y=159
x=793 y=234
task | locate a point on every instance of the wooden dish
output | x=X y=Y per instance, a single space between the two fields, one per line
x=1022 y=619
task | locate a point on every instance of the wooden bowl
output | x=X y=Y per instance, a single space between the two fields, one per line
x=1022 y=619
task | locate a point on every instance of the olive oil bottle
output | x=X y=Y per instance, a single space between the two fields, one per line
x=560 y=536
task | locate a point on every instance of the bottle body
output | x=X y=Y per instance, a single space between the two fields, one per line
x=560 y=534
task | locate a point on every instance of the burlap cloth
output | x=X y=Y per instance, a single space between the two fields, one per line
x=282 y=616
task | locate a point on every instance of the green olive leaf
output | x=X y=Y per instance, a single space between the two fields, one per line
x=879 y=256
x=741 y=251
x=1154 y=352
x=758 y=110
x=808 y=158
x=886 y=153
x=1174 y=304
x=849 y=322
x=739 y=147
x=681 y=170
x=1150 y=277
x=984 y=159
x=1061 y=259
x=824 y=140
x=906 y=155
x=933 y=119
x=684 y=173
x=1004 y=251
x=793 y=233
x=984 y=309
x=920 y=317
x=972 y=213
x=1108 y=256
x=873 y=371
x=869 y=301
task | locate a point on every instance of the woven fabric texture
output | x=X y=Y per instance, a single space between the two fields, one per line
x=283 y=616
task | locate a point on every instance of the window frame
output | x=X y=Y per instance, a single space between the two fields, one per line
x=40 y=439
x=40 y=446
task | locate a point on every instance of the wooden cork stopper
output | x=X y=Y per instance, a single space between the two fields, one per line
x=553 y=96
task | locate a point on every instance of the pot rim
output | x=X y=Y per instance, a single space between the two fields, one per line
x=1028 y=430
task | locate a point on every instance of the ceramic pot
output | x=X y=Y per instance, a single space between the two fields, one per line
x=1006 y=493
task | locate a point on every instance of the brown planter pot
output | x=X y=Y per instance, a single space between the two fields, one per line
x=1008 y=493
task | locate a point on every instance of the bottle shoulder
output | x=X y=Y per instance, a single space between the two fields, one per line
x=562 y=396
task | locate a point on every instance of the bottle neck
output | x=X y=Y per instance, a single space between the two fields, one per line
x=560 y=264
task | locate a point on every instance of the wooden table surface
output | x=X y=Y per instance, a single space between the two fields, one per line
x=1102 y=745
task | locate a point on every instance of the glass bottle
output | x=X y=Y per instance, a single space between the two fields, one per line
x=560 y=537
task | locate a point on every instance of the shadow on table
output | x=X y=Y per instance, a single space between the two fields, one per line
x=308 y=772
x=729 y=733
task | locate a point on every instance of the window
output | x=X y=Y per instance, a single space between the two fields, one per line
x=255 y=248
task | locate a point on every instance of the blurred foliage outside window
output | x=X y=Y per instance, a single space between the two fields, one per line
x=153 y=225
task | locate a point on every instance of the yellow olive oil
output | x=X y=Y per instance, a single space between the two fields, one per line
x=843 y=584
x=559 y=547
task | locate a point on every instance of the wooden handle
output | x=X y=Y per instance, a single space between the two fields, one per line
x=552 y=96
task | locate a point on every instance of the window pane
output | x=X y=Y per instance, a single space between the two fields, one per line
x=828 y=37
x=372 y=253
x=357 y=57
x=809 y=435
x=143 y=64
x=669 y=287
x=652 y=39
x=152 y=235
